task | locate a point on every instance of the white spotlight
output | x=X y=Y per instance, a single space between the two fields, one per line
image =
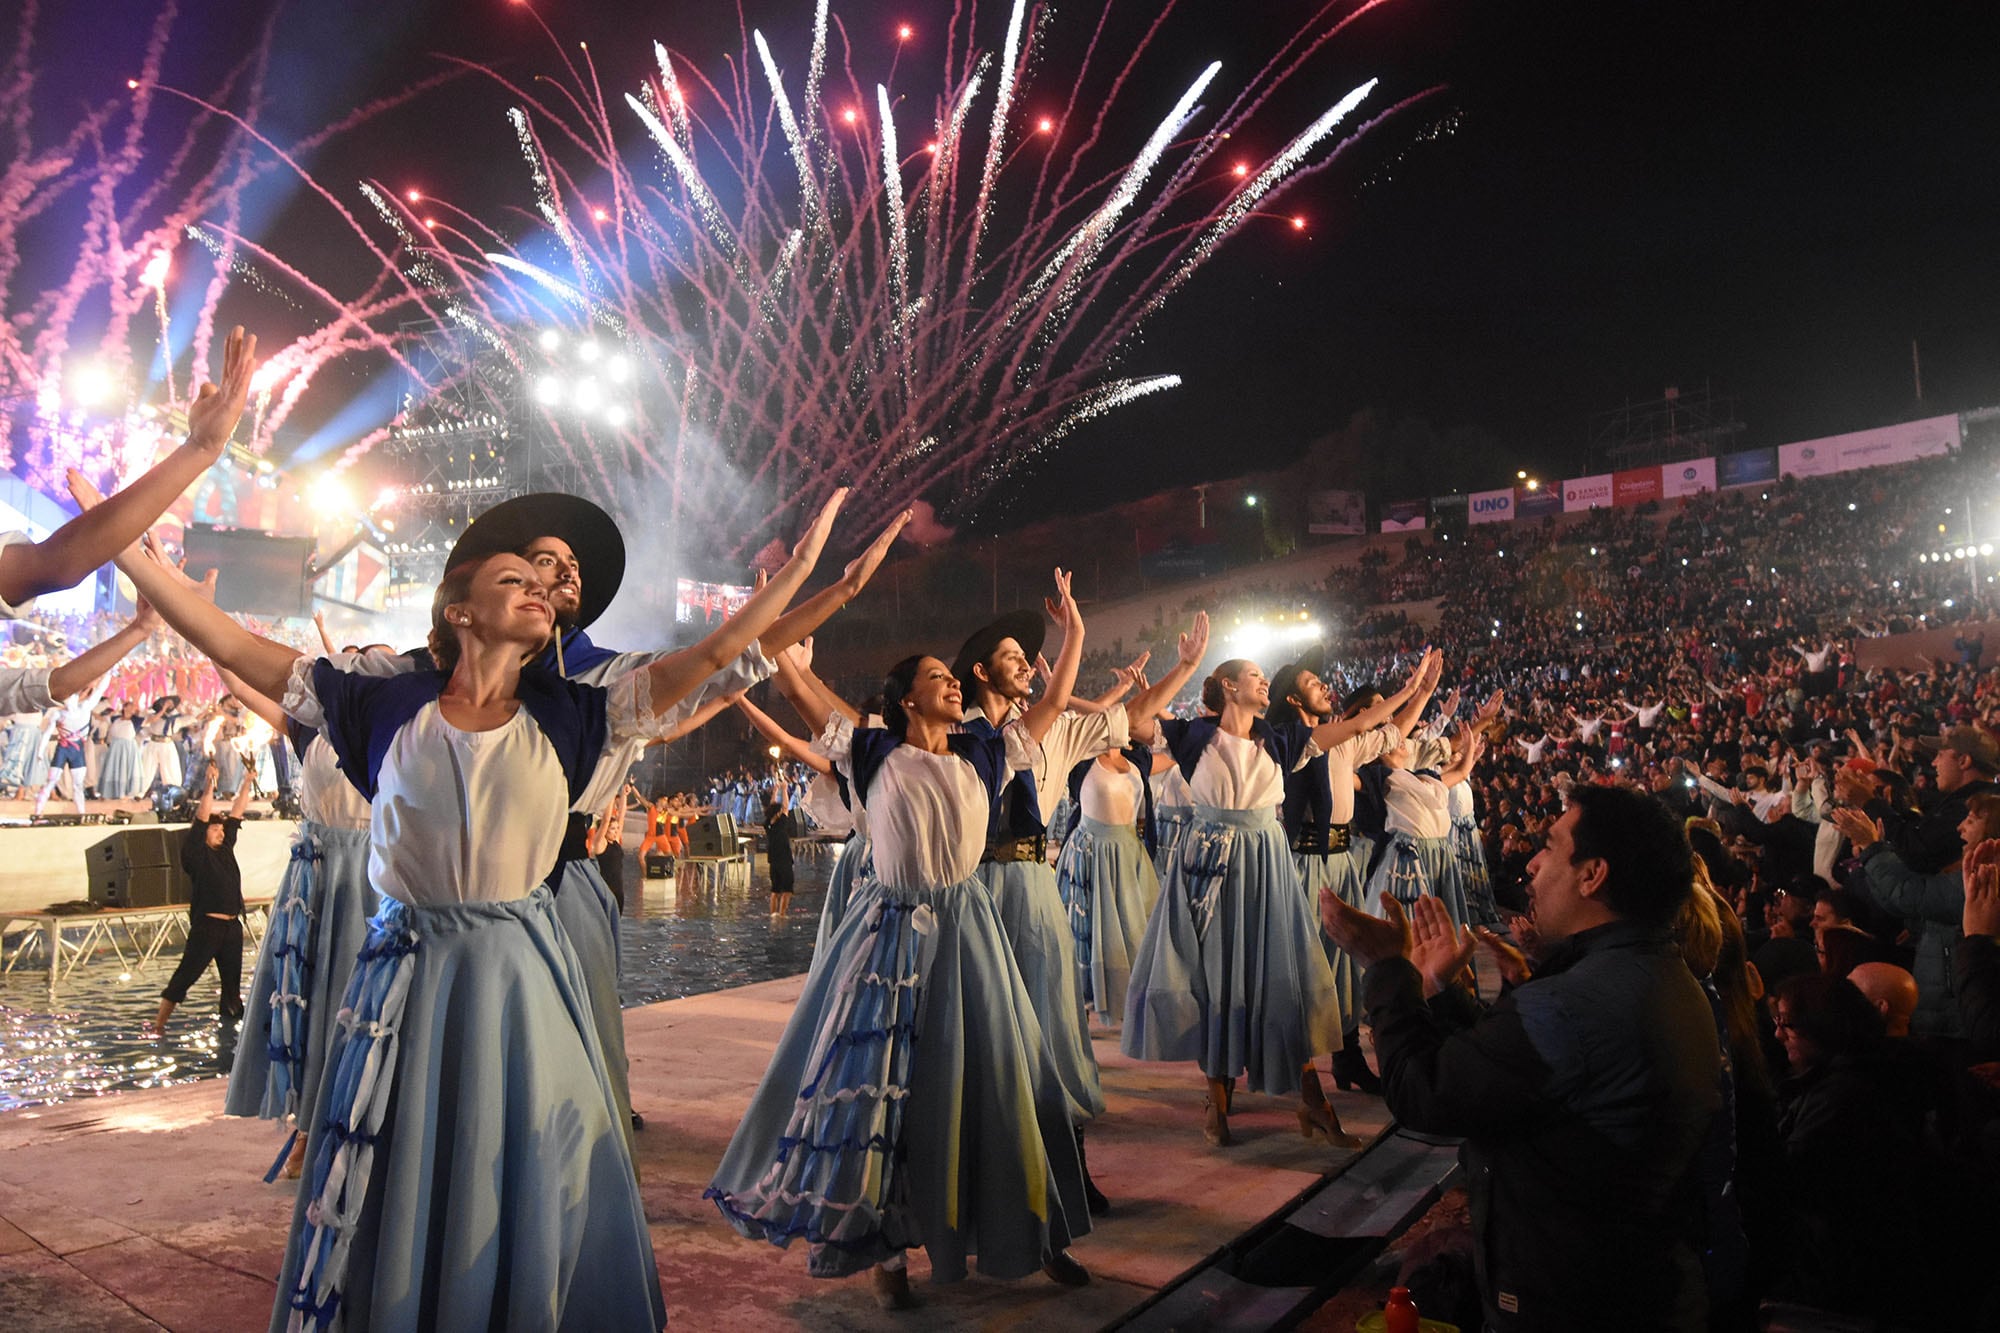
x=619 y=368
x=587 y=396
x=550 y=339
x=548 y=391
x=588 y=351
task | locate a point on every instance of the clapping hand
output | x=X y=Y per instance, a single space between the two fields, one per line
x=1368 y=939
x=1982 y=897
x=1439 y=947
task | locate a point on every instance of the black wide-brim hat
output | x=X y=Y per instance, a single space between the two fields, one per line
x=1027 y=628
x=595 y=540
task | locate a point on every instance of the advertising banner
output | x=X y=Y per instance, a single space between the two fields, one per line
x=1336 y=513
x=1405 y=515
x=1491 y=506
x=1748 y=468
x=1870 y=448
x=1635 y=486
x=1689 y=478
x=1581 y=493
x=1537 y=503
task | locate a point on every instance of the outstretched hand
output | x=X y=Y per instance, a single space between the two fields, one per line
x=814 y=539
x=216 y=409
x=1513 y=964
x=1194 y=643
x=862 y=567
x=1061 y=607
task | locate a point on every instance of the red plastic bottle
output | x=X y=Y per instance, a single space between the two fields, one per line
x=1400 y=1314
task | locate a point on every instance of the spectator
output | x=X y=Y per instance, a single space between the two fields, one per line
x=1584 y=1095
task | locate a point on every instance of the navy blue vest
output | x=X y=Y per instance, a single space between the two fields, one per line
x=364 y=713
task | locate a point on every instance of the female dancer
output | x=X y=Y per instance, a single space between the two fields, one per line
x=1231 y=973
x=1419 y=859
x=912 y=1100
x=1319 y=811
x=318 y=925
x=469 y=1166
x=118 y=776
x=1105 y=872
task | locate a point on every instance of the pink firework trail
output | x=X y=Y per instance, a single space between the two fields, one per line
x=815 y=283
x=83 y=313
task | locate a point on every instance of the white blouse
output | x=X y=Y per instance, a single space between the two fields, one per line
x=1417 y=806
x=325 y=795
x=1346 y=758
x=1170 y=789
x=1110 y=797
x=469 y=816
x=926 y=813
x=1234 y=773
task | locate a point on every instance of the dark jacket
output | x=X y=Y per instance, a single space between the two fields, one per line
x=1937 y=903
x=1976 y=967
x=1583 y=1097
x=1930 y=843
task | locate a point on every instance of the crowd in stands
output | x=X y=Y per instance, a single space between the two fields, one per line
x=1705 y=652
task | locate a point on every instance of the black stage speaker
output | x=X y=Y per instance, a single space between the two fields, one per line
x=256 y=572
x=138 y=867
x=659 y=867
x=712 y=835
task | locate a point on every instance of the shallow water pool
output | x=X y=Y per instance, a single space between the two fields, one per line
x=89 y=1041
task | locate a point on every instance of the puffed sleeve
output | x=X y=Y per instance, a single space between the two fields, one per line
x=1023 y=752
x=24 y=690
x=835 y=741
x=339 y=704
x=630 y=705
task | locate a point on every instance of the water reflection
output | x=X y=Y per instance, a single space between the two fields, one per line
x=89 y=1040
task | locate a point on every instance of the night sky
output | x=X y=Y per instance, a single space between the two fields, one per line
x=1772 y=200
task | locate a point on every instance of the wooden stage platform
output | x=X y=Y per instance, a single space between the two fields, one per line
x=145 y=1210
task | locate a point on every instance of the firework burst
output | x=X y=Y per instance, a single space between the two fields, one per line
x=808 y=305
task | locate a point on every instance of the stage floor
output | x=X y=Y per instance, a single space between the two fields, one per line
x=147 y=1209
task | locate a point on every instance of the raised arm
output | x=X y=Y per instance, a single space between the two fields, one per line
x=260 y=704
x=243 y=790
x=768 y=728
x=794 y=625
x=1145 y=706
x=674 y=676
x=1460 y=767
x=98 y=659
x=206 y=810
x=67 y=556
x=810 y=697
x=1042 y=714
x=1423 y=679
x=1415 y=696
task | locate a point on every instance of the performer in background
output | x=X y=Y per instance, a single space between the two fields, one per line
x=215 y=907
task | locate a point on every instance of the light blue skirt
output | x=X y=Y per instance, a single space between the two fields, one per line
x=1346 y=874
x=1411 y=867
x=589 y=916
x=1231 y=974
x=1108 y=885
x=1170 y=826
x=14 y=760
x=1037 y=925
x=319 y=922
x=467 y=1168
x=118 y=775
x=1470 y=849
x=911 y=1101
x=854 y=865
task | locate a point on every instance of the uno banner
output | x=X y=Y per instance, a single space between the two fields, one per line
x=1490 y=506
x=1581 y=493
x=1536 y=503
x=1405 y=515
x=1635 y=486
x=1870 y=448
x=1689 y=478
x=1749 y=468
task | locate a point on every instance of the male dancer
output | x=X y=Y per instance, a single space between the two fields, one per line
x=996 y=669
x=564 y=537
